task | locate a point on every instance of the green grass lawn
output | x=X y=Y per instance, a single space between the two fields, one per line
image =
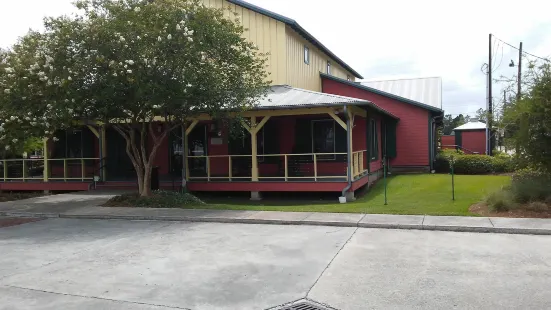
x=407 y=194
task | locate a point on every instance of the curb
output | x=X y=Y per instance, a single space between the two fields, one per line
x=473 y=229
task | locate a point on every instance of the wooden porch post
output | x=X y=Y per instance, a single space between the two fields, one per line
x=253 y=130
x=46 y=171
x=254 y=151
x=350 y=140
x=103 y=153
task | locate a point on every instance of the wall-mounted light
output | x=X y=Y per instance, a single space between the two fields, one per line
x=512 y=63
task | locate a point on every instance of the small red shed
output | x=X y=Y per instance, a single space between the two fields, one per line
x=471 y=137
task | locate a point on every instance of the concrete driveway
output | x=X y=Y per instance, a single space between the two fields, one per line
x=100 y=264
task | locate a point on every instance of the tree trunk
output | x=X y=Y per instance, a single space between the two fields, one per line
x=146 y=186
x=142 y=163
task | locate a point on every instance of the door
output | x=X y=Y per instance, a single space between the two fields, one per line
x=118 y=165
x=197 y=141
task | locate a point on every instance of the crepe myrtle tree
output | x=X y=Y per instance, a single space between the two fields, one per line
x=30 y=105
x=145 y=68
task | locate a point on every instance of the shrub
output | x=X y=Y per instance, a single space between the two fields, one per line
x=473 y=164
x=530 y=185
x=538 y=206
x=501 y=200
x=159 y=199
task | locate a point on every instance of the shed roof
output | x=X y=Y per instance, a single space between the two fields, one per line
x=426 y=90
x=383 y=93
x=287 y=97
x=295 y=26
x=472 y=126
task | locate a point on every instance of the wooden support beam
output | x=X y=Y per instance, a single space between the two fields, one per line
x=65 y=168
x=261 y=124
x=185 y=153
x=358 y=111
x=103 y=153
x=230 y=172
x=191 y=126
x=254 y=168
x=246 y=126
x=315 y=167
x=46 y=172
x=93 y=130
x=337 y=118
x=286 y=168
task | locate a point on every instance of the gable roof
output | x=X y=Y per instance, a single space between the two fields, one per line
x=295 y=26
x=287 y=97
x=382 y=93
x=472 y=126
x=426 y=90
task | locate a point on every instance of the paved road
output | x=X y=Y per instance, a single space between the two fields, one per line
x=100 y=264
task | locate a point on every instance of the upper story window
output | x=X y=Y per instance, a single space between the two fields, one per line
x=306 y=55
x=348 y=78
x=328 y=67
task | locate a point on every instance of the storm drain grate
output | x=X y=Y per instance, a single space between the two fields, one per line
x=304 y=305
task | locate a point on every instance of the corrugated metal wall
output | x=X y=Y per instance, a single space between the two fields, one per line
x=267 y=33
x=286 y=47
x=302 y=75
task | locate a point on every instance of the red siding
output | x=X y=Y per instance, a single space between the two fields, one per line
x=474 y=140
x=448 y=142
x=412 y=145
x=40 y=186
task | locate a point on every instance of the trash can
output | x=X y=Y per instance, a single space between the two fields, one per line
x=155 y=178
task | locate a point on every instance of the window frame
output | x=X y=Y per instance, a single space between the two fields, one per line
x=348 y=78
x=374 y=137
x=306 y=54
x=328 y=67
x=324 y=158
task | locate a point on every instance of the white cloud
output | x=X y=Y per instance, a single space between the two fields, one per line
x=386 y=39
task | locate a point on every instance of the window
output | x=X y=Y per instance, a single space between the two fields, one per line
x=328 y=67
x=323 y=138
x=74 y=144
x=374 y=147
x=306 y=55
x=348 y=78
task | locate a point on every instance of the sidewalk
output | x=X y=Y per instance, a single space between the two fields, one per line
x=85 y=206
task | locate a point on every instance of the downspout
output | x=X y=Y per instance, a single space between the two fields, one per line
x=432 y=141
x=348 y=154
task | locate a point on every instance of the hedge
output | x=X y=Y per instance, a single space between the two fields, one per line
x=473 y=164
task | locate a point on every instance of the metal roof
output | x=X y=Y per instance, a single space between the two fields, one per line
x=382 y=93
x=472 y=126
x=287 y=97
x=295 y=26
x=424 y=90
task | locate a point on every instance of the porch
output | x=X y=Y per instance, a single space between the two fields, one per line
x=295 y=140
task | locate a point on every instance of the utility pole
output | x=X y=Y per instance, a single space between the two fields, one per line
x=490 y=107
x=519 y=72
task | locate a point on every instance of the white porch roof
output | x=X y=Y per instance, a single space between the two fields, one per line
x=287 y=97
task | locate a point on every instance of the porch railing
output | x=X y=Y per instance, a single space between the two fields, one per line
x=62 y=169
x=276 y=167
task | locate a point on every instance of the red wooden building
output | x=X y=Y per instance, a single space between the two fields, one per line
x=322 y=133
x=416 y=143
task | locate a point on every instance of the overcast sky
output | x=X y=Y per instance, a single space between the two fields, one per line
x=386 y=39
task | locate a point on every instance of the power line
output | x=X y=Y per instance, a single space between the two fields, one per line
x=500 y=60
x=524 y=52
